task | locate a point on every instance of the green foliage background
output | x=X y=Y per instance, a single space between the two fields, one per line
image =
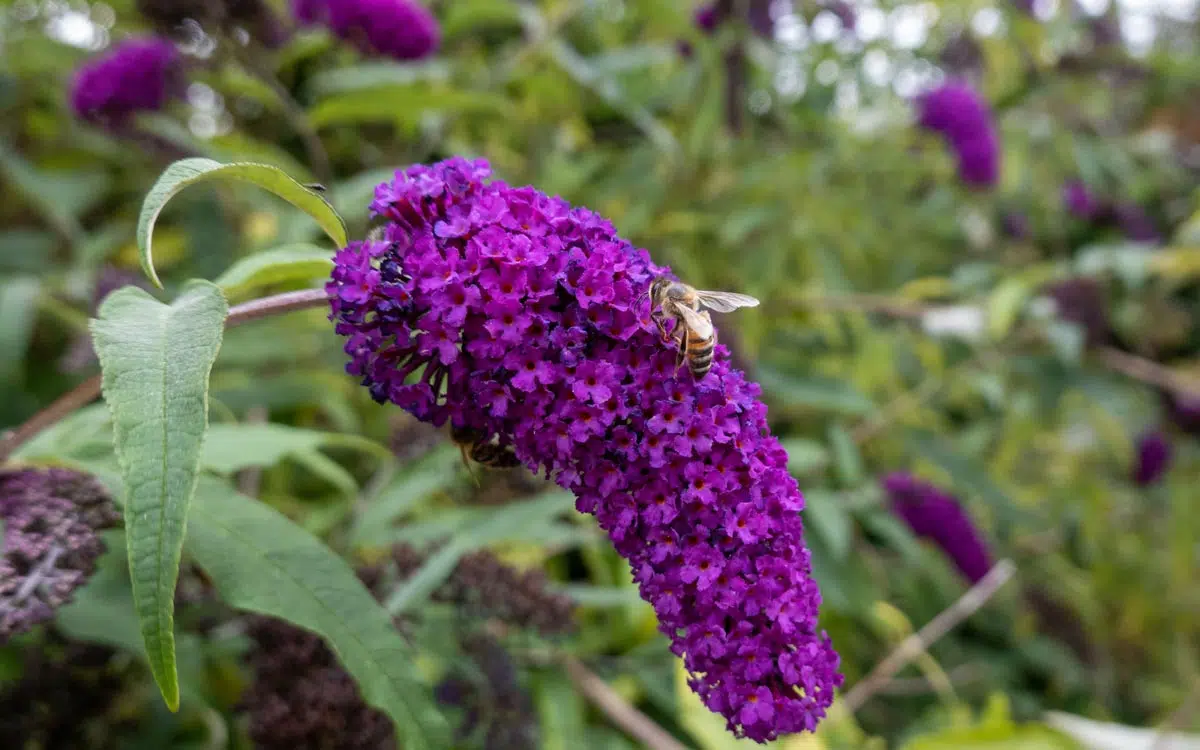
x=829 y=205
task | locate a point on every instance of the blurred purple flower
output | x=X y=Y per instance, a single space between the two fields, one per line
x=938 y=517
x=961 y=116
x=710 y=16
x=1015 y=225
x=136 y=75
x=1135 y=223
x=722 y=558
x=844 y=11
x=1184 y=411
x=1080 y=300
x=1153 y=458
x=401 y=29
x=1080 y=201
x=51 y=517
x=1028 y=7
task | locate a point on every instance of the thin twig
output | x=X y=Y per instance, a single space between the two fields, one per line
x=919 y=642
x=1149 y=372
x=84 y=393
x=617 y=709
x=963 y=674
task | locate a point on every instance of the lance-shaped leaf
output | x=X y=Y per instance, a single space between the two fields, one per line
x=286 y=264
x=190 y=171
x=262 y=562
x=155 y=361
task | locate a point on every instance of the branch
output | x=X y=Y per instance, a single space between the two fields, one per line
x=88 y=390
x=919 y=642
x=611 y=704
x=1149 y=372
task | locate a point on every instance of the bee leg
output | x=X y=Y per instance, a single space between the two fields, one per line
x=682 y=356
x=467 y=463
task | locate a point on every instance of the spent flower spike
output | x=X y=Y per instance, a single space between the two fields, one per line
x=553 y=352
x=50 y=549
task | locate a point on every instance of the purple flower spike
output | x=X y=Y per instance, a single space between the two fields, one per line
x=938 y=517
x=400 y=29
x=1153 y=458
x=50 y=545
x=555 y=355
x=136 y=75
x=961 y=116
x=1079 y=200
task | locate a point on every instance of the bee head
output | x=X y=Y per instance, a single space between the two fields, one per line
x=658 y=289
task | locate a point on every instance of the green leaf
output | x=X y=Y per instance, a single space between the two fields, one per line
x=847 y=458
x=508 y=523
x=261 y=562
x=804 y=456
x=286 y=264
x=814 y=392
x=28 y=181
x=372 y=75
x=402 y=104
x=995 y=731
x=823 y=513
x=155 y=360
x=190 y=171
x=433 y=473
x=18 y=310
x=233 y=447
x=1004 y=305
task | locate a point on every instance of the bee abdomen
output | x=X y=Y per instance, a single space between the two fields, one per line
x=700 y=356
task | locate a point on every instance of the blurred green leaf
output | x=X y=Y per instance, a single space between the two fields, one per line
x=847 y=459
x=190 y=171
x=374 y=75
x=287 y=264
x=389 y=104
x=995 y=731
x=814 y=392
x=261 y=562
x=18 y=312
x=825 y=514
x=155 y=360
x=409 y=487
x=804 y=456
x=37 y=189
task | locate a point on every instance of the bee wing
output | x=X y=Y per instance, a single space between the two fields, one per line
x=724 y=302
x=697 y=322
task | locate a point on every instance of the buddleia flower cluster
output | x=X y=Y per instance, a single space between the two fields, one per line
x=1080 y=300
x=51 y=517
x=959 y=113
x=137 y=75
x=512 y=313
x=935 y=515
x=401 y=29
x=301 y=697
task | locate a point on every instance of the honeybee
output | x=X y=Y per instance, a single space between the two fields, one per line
x=693 y=326
x=476 y=447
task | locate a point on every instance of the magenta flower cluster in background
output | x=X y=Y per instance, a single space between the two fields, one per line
x=1153 y=458
x=512 y=312
x=51 y=517
x=710 y=16
x=135 y=75
x=961 y=116
x=1131 y=219
x=401 y=29
x=938 y=517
